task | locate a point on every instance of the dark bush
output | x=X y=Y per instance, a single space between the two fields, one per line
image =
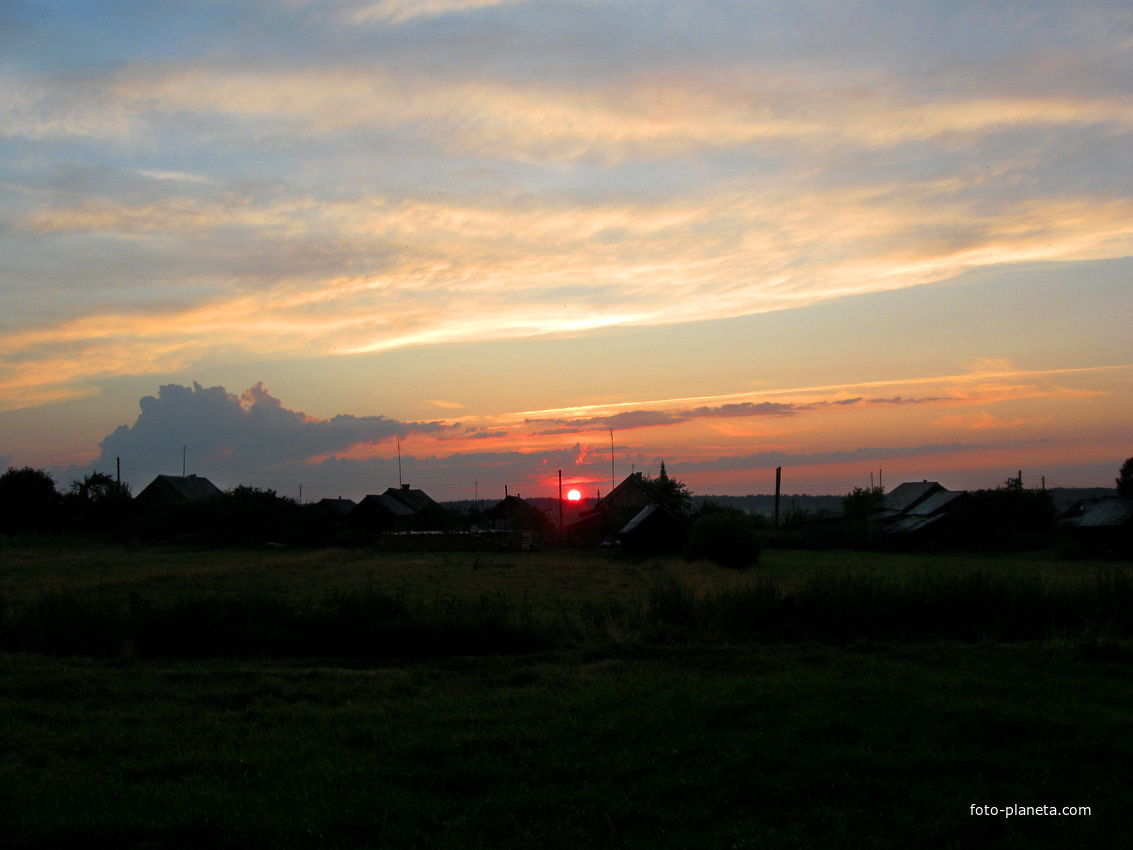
x=725 y=539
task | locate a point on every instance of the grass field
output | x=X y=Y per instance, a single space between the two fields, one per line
x=647 y=724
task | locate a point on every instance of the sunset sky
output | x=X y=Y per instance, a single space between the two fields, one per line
x=267 y=239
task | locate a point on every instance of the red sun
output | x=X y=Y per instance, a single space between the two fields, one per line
x=573 y=496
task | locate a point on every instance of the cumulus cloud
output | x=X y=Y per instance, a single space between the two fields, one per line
x=252 y=431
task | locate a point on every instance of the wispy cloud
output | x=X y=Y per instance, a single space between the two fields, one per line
x=267 y=182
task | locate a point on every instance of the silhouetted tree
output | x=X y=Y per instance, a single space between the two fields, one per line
x=28 y=500
x=1125 y=480
x=863 y=500
x=97 y=502
x=1031 y=511
x=673 y=494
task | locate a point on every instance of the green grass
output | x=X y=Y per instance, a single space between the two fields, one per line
x=550 y=699
x=784 y=747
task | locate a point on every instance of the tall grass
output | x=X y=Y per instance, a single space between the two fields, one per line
x=838 y=608
x=830 y=608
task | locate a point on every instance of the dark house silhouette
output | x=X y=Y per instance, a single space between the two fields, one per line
x=397 y=509
x=655 y=530
x=1106 y=527
x=915 y=514
x=416 y=500
x=381 y=513
x=629 y=514
x=513 y=514
x=926 y=514
x=333 y=509
x=172 y=491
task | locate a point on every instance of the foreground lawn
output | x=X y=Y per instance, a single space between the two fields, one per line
x=781 y=746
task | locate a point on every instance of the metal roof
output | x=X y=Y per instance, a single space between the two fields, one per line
x=1107 y=513
x=905 y=496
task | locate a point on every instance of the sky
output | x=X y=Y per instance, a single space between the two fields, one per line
x=280 y=242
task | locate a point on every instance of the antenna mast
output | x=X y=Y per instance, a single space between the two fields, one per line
x=399 y=484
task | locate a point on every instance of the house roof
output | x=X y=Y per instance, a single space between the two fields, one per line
x=415 y=500
x=634 y=481
x=935 y=503
x=641 y=517
x=183 y=489
x=906 y=496
x=511 y=506
x=343 y=506
x=651 y=513
x=1106 y=513
x=384 y=504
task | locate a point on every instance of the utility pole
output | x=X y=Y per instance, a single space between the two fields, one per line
x=613 y=484
x=118 y=465
x=183 y=449
x=399 y=484
x=560 y=501
x=778 y=487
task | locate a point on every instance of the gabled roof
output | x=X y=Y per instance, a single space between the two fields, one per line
x=510 y=506
x=341 y=506
x=383 y=504
x=415 y=500
x=635 y=481
x=176 y=489
x=910 y=494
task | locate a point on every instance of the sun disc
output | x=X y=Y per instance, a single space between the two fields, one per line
x=573 y=496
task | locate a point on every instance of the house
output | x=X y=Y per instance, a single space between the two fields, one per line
x=417 y=501
x=927 y=514
x=381 y=513
x=612 y=514
x=513 y=514
x=334 y=509
x=946 y=518
x=905 y=497
x=398 y=509
x=1106 y=526
x=171 y=491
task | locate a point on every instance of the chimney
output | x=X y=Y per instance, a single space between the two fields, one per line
x=404 y=486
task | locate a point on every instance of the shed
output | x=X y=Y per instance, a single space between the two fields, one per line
x=654 y=530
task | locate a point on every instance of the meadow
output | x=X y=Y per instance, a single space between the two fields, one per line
x=174 y=697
